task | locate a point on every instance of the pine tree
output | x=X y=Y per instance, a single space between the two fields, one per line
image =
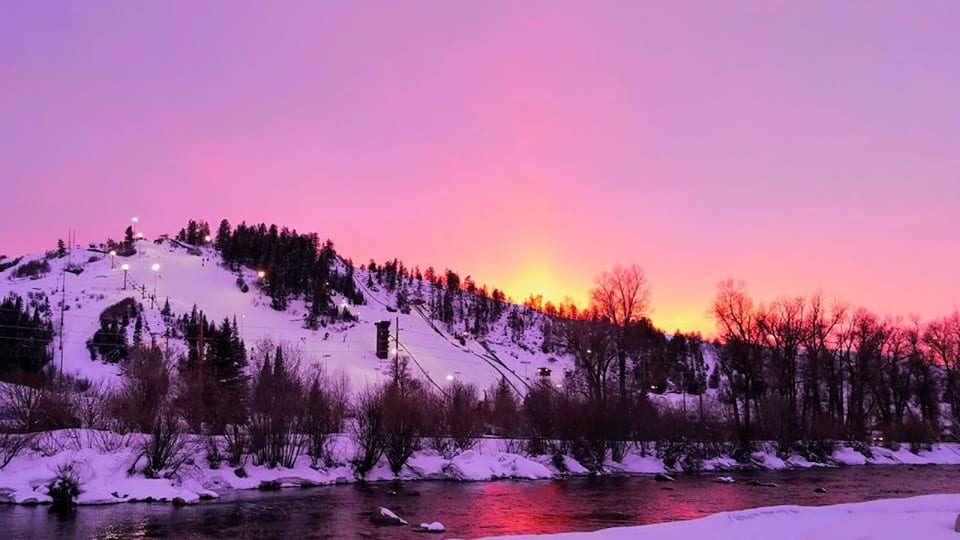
x=223 y=238
x=61 y=248
x=138 y=331
x=714 y=381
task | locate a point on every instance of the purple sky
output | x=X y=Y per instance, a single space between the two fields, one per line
x=796 y=146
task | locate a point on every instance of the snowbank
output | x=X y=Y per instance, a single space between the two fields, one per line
x=929 y=517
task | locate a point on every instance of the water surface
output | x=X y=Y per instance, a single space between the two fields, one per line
x=471 y=510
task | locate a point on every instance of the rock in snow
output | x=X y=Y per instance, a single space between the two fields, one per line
x=384 y=516
x=435 y=527
x=725 y=479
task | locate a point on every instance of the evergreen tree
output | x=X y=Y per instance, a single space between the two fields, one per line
x=138 y=331
x=714 y=381
x=24 y=338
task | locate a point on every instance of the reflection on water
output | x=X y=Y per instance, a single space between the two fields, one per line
x=471 y=510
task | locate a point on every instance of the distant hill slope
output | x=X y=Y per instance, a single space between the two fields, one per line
x=190 y=276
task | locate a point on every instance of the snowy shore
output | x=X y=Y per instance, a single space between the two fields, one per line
x=930 y=517
x=104 y=475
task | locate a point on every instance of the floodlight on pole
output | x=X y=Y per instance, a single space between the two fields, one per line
x=207 y=238
x=135 y=219
x=261 y=274
x=113 y=258
x=126 y=268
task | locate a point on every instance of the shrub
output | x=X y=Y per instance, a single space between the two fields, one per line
x=464 y=415
x=403 y=418
x=66 y=486
x=324 y=410
x=276 y=413
x=36 y=406
x=367 y=430
x=32 y=269
x=144 y=392
x=11 y=444
x=212 y=451
x=167 y=448
x=237 y=440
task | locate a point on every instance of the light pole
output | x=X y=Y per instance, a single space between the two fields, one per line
x=113 y=258
x=125 y=267
x=156 y=274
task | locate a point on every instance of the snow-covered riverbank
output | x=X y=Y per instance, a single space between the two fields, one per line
x=930 y=517
x=104 y=475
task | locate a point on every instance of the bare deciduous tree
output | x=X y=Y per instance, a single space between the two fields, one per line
x=622 y=296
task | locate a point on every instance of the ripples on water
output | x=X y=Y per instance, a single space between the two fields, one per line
x=474 y=509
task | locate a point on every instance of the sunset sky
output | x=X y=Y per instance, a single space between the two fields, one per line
x=793 y=145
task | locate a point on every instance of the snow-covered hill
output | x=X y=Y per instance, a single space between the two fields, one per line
x=188 y=277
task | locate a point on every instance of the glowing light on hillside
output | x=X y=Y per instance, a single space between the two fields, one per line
x=135 y=219
x=139 y=236
x=261 y=274
x=449 y=377
x=155 y=267
x=124 y=267
x=207 y=238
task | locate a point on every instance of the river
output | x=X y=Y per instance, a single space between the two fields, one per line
x=470 y=510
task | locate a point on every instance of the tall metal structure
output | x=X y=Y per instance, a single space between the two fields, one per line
x=383 y=339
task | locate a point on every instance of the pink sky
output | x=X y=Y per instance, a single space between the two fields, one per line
x=794 y=145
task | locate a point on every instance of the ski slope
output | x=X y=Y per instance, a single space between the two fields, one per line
x=435 y=355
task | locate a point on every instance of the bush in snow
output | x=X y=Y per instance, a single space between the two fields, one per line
x=144 y=393
x=324 y=409
x=66 y=486
x=237 y=441
x=167 y=448
x=276 y=412
x=34 y=405
x=212 y=451
x=11 y=444
x=912 y=430
x=541 y=413
x=466 y=415
x=366 y=429
x=403 y=418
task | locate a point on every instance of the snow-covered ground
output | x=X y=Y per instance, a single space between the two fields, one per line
x=930 y=517
x=103 y=466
